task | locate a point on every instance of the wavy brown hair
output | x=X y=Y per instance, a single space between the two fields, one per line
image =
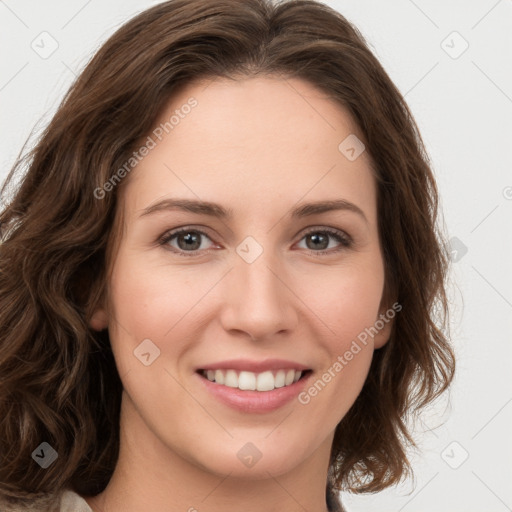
x=58 y=379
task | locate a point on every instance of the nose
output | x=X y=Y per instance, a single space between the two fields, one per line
x=257 y=300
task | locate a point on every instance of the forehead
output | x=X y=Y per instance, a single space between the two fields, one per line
x=253 y=145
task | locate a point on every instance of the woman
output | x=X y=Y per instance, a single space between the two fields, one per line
x=222 y=282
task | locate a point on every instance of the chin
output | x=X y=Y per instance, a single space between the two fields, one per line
x=253 y=460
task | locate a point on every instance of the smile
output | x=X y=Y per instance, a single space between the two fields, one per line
x=251 y=381
x=254 y=391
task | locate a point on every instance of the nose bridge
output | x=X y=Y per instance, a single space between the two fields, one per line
x=257 y=301
x=260 y=280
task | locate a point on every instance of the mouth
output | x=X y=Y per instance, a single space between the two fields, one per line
x=265 y=381
x=254 y=386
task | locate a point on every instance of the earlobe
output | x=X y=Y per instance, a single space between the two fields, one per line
x=384 y=326
x=388 y=309
x=99 y=320
x=382 y=337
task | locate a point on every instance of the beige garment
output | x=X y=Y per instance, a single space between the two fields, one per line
x=69 y=502
x=72 y=502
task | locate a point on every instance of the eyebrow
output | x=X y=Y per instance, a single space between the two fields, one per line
x=218 y=211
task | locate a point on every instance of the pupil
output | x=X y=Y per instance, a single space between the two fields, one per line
x=190 y=239
x=317 y=238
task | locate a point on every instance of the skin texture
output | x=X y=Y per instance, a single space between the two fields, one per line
x=260 y=147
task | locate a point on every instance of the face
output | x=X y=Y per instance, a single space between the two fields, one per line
x=254 y=292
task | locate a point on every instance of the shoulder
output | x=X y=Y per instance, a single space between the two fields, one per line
x=65 y=501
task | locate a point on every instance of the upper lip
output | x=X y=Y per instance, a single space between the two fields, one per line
x=254 y=366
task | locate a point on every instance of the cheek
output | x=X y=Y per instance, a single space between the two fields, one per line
x=151 y=302
x=148 y=300
x=347 y=300
x=350 y=312
x=348 y=305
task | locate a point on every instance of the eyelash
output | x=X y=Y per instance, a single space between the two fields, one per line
x=345 y=240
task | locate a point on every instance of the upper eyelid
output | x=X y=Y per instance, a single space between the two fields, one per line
x=205 y=229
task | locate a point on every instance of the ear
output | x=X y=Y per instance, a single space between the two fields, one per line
x=99 y=320
x=384 y=323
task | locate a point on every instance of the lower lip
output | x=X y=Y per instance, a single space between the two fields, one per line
x=255 y=401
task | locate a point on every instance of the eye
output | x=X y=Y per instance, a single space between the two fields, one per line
x=319 y=239
x=188 y=241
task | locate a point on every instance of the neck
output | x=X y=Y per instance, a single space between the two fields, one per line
x=152 y=476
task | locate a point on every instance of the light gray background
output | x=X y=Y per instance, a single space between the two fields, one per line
x=463 y=106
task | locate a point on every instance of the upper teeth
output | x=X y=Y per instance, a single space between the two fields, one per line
x=265 y=381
